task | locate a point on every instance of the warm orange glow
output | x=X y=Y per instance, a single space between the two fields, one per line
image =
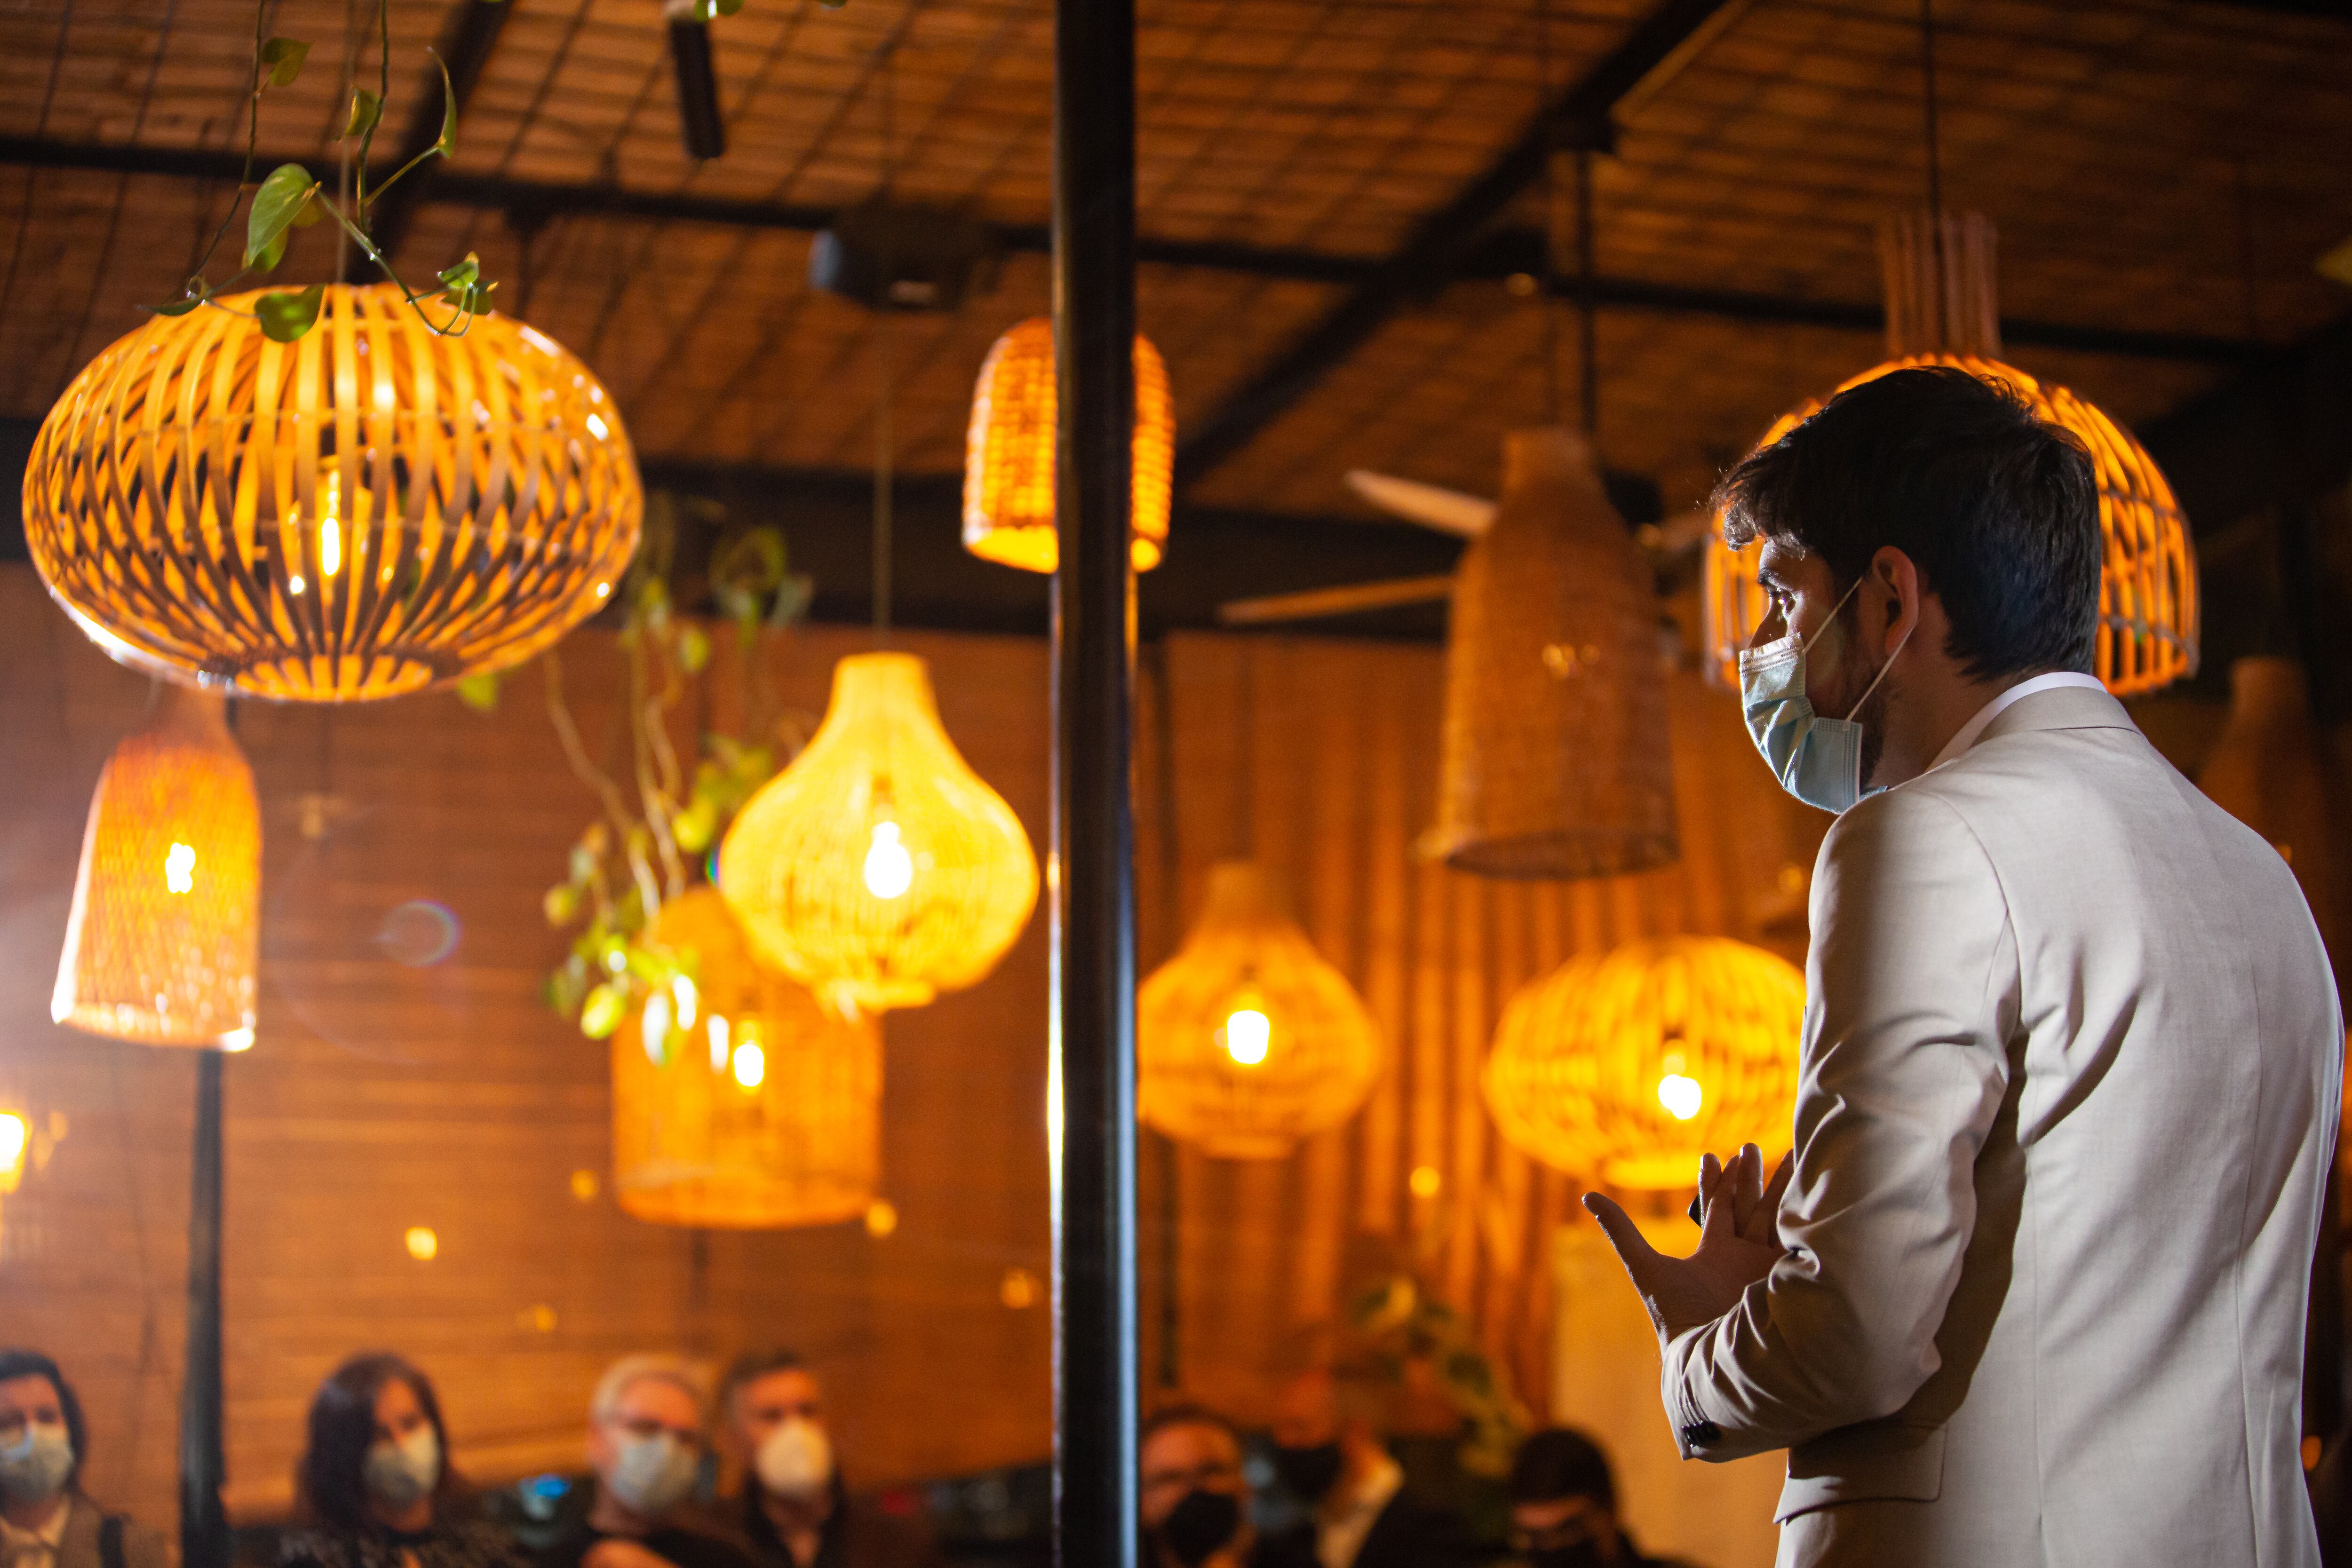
x=1627 y=1068
x=879 y=869
x=16 y=1143
x=1008 y=474
x=2148 y=625
x=160 y=946
x=765 y=1113
x=1247 y=1041
x=374 y=509
x=422 y=1244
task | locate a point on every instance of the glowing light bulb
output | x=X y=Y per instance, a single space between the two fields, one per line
x=330 y=527
x=1426 y=1182
x=423 y=1245
x=294 y=583
x=14 y=1136
x=1247 y=1032
x=750 y=1065
x=889 y=869
x=1680 y=1095
x=717 y=1028
x=881 y=1218
x=180 y=868
x=684 y=998
x=653 y=1027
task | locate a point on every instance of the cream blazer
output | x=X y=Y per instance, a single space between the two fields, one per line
x=2066 y=1103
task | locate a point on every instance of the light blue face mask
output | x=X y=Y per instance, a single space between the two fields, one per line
x=1817 y=759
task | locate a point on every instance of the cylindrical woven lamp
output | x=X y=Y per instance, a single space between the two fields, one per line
x=879 y=869
x=1247 y=1041
x=1940 y=312
x=1555 y=759
x=163 y=943
x=737 y=1100
x=370 y=510
x=1626 y=1068
x=1008 y=473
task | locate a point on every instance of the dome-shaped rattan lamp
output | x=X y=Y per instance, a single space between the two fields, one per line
x=879 y=869
x=163 y=943
x=1555 y=759
x=1247 y=1041
x=737 y=1100
x=1008 y=465
x=1626 y=1068
x=1940 y=312
x=370 y=510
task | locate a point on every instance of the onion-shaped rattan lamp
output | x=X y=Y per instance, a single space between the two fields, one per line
x=370 y=510
x=1554 y=759
x=737 y=1101
x=1940 y=312
x=1626 y=1068
x=163 y=942
x=1247 y=1041
x=879 y=869
x=1008 y=465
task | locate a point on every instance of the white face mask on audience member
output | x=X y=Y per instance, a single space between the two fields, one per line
x=796 y=1459
x=35 y=1463
x=399 y=1470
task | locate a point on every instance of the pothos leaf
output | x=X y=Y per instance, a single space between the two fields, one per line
x=480 y=692
x=283 y=318
x=178 y=307
x=281 y=60
x=281 y=195
x=366 y=109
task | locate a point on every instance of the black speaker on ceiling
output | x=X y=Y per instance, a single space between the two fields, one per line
x=704 y=133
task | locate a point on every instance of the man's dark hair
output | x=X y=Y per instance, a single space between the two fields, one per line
x=15 y=1364
x=749 y=1368
x=329 y=1485
x=1999 y=509
x=1184 y=1414
x=1561 y=1462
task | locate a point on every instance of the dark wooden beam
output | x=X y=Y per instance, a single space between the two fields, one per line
x=467 y=40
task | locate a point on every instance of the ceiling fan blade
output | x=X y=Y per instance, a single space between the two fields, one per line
x=1431 y=506
x=1315 y=603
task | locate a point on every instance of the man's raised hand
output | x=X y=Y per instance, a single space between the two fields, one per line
x=1739 y=1242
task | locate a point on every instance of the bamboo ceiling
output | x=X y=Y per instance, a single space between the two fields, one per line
x=2136 y=154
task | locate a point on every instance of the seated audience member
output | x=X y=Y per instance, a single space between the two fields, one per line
x=1195 y=1505
x=1564 y=1507
x=645 y=1439
x=1328 y=1452
x=374 y=1487
x=796 y=1511
x=47 y=1521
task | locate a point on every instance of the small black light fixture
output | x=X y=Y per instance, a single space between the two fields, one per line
x=698 y=124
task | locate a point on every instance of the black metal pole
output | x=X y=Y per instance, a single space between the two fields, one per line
x=203 y=1522
x=1092 y=880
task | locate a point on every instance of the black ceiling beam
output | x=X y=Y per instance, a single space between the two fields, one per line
x=1579 y=117
x=1498 y=256
x=467 y=40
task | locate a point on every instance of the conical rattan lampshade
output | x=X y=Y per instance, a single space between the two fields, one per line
x=1555 y=757
x=370 y=510
x=1627 y=1068
x=1246 y=1040
x=737 y=1100
x=879 y=869
x=161 y=945
x=1008 y=475
x=1940 y=312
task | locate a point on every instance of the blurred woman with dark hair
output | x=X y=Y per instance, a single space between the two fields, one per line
x=47 y=1521
x=374 y=1488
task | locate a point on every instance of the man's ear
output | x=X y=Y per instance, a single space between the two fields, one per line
x=1896 y=581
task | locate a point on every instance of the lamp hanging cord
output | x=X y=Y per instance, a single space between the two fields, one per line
x=883 y=454
x=1548 y=288
x=1935 y=172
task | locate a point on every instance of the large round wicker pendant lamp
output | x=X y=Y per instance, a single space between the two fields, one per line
x=370 y=511
x=1940 y=311
x=1008 y=475
x=737 y=1101
x=161 y=945
x=1555 y=759
x=1626 y=1068
x=1247 y=1041
x=879 y=869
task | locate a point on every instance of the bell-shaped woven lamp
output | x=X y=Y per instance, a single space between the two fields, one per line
x=1940 y=311
x=1555 y=761
x=163 y=942
x=1627 y=1068
x=879 y=869
x=1008 y=464
x=1246 y=1040
x=737 y=1101
x=370 y=510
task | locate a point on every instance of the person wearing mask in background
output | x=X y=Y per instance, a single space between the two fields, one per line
x=646 y=1442
x=796 y=1511
x=47 y=1521
x=1328 y=1452
x=374 y=1488
x=1195 y=1503
x=1564 y=1507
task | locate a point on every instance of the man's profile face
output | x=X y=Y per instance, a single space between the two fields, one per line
x=1188 y=1456
x=769 y=1400
x=1801 y=595
x=1558 y=1523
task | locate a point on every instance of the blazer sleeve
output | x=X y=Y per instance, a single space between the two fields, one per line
x=1911 y=995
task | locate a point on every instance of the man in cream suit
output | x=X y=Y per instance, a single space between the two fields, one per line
x=2031 y=1289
